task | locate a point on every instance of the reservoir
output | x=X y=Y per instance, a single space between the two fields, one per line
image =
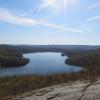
x=41 y=64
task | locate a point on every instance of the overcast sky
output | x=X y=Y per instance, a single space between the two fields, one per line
x=50 y=22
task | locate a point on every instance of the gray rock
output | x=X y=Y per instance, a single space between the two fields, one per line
x=69 y=91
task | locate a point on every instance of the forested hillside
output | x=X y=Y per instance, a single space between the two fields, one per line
x=10 y=57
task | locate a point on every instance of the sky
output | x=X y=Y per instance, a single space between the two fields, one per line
x=70 y=22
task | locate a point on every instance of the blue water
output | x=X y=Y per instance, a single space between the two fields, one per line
x=41 y=64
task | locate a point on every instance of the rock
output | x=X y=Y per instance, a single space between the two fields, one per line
x=68 y=91
x=92 y=92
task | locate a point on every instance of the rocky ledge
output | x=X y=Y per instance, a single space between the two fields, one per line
x=68 y=91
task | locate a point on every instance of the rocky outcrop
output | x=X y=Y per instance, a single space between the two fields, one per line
x=68 y=91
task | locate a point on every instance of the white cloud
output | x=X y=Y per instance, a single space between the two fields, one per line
x=93 y=18
x=7 y=16
x=94 y=6
x=57 y=6
x=28 y=13
x=54 y=6
x=61 y=27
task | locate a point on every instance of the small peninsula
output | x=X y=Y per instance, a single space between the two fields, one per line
x=11 y=57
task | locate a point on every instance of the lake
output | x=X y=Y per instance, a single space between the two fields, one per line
x=41 y=64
